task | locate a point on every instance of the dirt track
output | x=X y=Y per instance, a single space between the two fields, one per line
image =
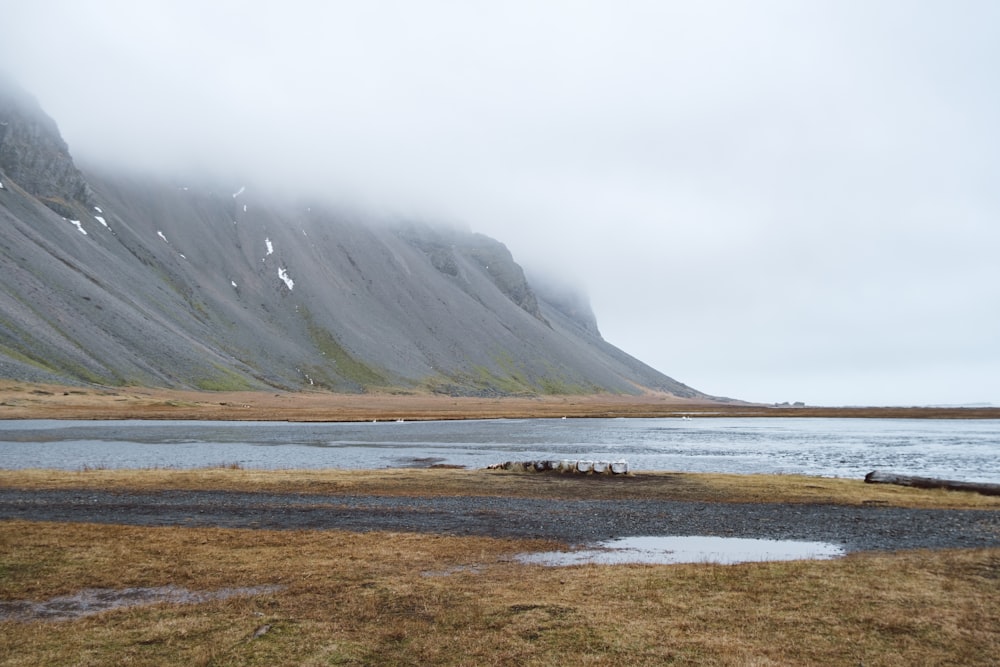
x=573 y=521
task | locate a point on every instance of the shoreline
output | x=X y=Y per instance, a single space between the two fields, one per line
x=34 y=401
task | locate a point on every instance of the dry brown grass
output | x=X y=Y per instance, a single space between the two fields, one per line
x=31 y=401
x=402 y=599
x=405 y=599
x=450 y=482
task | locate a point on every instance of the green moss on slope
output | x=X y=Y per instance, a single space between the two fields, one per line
x=224 y=379
x=345 y=366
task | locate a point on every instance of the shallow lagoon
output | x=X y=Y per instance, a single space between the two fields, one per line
x=954 y=449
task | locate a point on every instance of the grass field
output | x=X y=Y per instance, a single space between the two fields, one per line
x=344 y=598
x=30 y=401
x=405 y=599
x=417 y=599
x=452 y=482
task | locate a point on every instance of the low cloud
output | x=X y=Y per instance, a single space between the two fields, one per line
x=773 y=201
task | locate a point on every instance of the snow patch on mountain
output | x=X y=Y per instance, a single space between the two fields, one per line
x=79 y=226
x=289 y=283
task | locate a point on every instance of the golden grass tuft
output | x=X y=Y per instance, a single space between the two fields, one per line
x=452 y=482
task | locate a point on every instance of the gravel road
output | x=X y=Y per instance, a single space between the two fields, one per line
x=572 y=521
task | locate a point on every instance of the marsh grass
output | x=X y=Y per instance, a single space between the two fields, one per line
x=407 y=599
x=452 y=482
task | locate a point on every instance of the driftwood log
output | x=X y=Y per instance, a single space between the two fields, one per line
x=876 y=477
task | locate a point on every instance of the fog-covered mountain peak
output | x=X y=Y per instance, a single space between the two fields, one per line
x=122 y=278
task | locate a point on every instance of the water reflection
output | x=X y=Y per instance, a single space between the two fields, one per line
x=657 y=550
x=95 y=600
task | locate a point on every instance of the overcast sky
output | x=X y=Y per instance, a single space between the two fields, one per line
x=771 y=200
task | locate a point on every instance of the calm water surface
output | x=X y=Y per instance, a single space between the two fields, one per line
x=671 y=549
x=954 y=449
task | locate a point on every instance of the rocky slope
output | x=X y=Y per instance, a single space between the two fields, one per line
x=122 y=279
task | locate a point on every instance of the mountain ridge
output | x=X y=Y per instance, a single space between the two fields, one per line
x=125 y=279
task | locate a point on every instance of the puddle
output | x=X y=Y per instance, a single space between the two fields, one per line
x=656 y=550
x=95 y=600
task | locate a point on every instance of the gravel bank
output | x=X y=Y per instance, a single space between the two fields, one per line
x=572 y=521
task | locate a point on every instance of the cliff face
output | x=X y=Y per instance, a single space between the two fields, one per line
x=445 y=250
x=34 y=155
x=116 y=279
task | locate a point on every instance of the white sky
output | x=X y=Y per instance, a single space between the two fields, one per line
x=770 y=200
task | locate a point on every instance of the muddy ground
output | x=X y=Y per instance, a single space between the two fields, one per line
x=572 y=521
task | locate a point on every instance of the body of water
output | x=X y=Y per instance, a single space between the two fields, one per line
x=671 y=549
x=954 y=449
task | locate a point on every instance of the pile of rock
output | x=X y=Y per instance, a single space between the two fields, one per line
x=583 y=467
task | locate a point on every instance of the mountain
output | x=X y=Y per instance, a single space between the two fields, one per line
x=127 y=279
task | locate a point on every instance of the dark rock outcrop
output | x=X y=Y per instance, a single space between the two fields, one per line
x=34 y=155
x=491 y=257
